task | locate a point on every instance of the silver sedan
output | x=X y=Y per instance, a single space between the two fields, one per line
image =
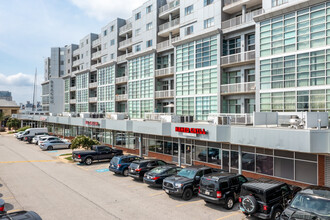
x=55 y=144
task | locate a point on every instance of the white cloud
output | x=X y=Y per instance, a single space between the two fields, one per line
x=108 y=9
x=19 y=79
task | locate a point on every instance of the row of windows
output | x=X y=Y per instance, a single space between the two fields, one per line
x=141 y=67
x=105 y=106
x=106 y=93
x=300 y=30
x=82 y=96
x=82 y=81
x=106 y=75
x=141 y=89
x=82 y=107
x=138 y=108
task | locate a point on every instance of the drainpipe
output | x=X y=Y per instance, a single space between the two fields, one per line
x=179 y=153
x=239 y=160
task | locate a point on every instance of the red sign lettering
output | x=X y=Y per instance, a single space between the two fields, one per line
x=191 y=130
x=94 y=123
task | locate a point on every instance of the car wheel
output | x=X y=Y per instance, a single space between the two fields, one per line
x=88 y=161
x=50 y=148
x=187 y=194
x=37 y=143
x=69 y=146
x=125 y=172
x=229 y=204
x=250 y=205
x=276 y=214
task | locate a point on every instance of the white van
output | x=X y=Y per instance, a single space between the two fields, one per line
x=33 y=132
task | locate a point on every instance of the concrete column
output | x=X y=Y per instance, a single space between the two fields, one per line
x=113 y=138
x=170 y=17
x=179 y=153
x=126 y=36
x=239 y=160
x=169 y=60
x=170 y=38
x=243 y=13
x=21 y=123
x=140 y=145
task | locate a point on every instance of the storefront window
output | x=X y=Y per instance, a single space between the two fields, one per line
x=214 y=156
x=152 y=144
x=306 y=172
x=283 y=168
x=168 y=148
x=248 y=162
x=159 y=146
x=175 y=149
x=201 y=153
x=234 y=159
x=264 y=165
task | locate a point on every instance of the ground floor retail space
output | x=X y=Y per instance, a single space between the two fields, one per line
x=254 y=161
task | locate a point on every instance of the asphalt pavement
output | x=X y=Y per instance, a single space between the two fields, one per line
x=36 y=180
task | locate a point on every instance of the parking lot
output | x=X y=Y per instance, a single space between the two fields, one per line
x=37 y=180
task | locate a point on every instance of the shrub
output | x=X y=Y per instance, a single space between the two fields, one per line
x=23 y=129
x=83 y=141
x=13 y=123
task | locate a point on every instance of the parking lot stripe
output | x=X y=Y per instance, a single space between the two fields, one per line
x=188 y=203
x=156 y=194
x=227 y=216
x=15 y=210
x=27 y=161
x=6 y=198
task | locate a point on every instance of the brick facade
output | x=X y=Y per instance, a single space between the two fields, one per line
x=321 y=170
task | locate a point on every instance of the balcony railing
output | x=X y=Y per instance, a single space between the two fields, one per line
x=92 y=85
x=76 y=63
x=92 y=99
x=241 y=19
x=96 y=42
x=121 y=58
x=125 y=28
x=96 y=54
x=228 y=2
x=122 y=97
x=73 y=101
x=73 y=88
x=167 y=44
x=122 y=79
x=164 y=71
x=164 y=94
x=238 y=58
x=75 y=52
x=170 y=24
x=236 y=119
x=125 y=42
x=246 y=87
x=169 y=6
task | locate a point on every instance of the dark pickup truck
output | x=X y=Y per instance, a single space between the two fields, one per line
x=97 y=153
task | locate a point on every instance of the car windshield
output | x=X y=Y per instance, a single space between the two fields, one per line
x=157 y=170
x=319 y=206
x=187 y=173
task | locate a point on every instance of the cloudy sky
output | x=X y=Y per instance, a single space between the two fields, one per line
x=29 y=28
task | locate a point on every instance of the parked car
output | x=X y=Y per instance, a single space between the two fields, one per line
x=120 y=164
x=221 y=188
x=156 y=176
x=55 y=144
x=29 y=138
x=266 y=199
x=19 y=215
x=186 y=183
x=18 y=133
x=35 y=139
x=47 y=138
x=137 y=169
x=312 y=202
x=97 y=153
x=33 y=131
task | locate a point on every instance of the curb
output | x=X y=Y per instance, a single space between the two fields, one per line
x=63 y=160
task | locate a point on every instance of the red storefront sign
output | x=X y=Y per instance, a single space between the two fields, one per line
x=191 y=130
x=94 y=123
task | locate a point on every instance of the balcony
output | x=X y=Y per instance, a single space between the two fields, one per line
x=92 y=99
x=126 y=28
x=96 y=43
x=121 y=80
x=230 y=24
x=92 y=85
x=165 y=72
x=233 y=6
x=238 y=59
x=122 y=97
x=73 y=101
x=76 y=63
x=172 y=26
x=166 y=45
x=76 y=52
x=73 y=88
x=238 y=88
x=169 y=8
x=121 y=58
x=96 y=55
x=164 y=94
x=125 y=43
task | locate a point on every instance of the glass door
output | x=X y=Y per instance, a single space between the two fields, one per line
x=188 y=154
x=225 y=160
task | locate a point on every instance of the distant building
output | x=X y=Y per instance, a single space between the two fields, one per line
x=8 y=107
x=28 y=106
x=6 y=95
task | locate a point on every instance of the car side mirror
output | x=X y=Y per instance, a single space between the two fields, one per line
x=197 y=178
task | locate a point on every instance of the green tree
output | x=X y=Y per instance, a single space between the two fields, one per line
x=2 y=117
x=13 y=123
x=84 y=142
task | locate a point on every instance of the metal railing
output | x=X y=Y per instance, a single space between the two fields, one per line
x=241 y=19
x=121 y=97
x=245 y=87
x=73 y=88
x=125 y=28
x=121 y=58
x=169 y=6
x=122 y=79
x=236 y=119
x=92 y=85
x=228 y=2
x=164 y=71
x=73 y=101
x=239 y=57
x=96 y=54
x=167 y=44
x=170 y=24
x=164 y=94
x=76 y=63
x=155 y=116
x=75 y=52
x=125 y=42
x=96 y=42
x=92 y=99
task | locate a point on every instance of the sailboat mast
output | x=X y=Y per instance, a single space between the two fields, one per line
x=34 y=89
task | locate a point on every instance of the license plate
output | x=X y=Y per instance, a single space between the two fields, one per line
x=207 y=193
x=166 y=190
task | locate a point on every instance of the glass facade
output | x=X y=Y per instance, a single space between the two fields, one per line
x=67 y=95
x=304 y=29
x=82 y=92
x=106 y=89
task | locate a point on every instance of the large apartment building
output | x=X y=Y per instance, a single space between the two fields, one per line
x=244 y=69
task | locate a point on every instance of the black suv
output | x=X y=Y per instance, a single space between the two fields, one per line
x=186 y=182
x=266 y=199
x=138 y=168
x=221 y=188
x=310 y=203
